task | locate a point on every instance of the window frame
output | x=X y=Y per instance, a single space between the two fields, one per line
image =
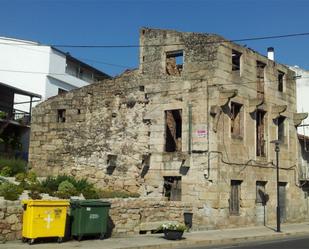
x=178 y=67
x=61 y=115
x=260 y=185
x=175 y=185
x=236 y=61
x=173 y=135
x=281 y=81
x=235 y=197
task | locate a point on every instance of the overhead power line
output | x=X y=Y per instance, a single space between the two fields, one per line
x=158 y=45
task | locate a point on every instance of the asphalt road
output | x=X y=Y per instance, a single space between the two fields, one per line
x=287 y=243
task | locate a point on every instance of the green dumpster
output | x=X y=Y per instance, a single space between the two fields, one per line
x=89 y=217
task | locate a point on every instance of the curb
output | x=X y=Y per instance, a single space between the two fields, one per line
x=217 y=242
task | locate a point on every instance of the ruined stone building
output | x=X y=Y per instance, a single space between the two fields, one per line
x=193 y=124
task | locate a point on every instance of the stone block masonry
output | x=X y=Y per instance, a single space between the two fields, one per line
x=10 y=220
x=126 y=217
x=192 y=124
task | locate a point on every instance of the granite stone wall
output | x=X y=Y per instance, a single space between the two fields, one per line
x=115 y=132
x=126 y=216
x=10 y=220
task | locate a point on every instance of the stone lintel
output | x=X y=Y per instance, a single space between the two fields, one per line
x=226 y=95
x=254 y=103
x=277 y=110
x=299 y=117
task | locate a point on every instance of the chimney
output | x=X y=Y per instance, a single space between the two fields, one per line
x=271 y=53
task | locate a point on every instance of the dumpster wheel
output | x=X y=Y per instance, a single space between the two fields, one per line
x=24 y=240
x=102 y=235
x=60 y=239
x=30 y=241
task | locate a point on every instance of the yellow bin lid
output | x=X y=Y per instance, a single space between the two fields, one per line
x=46 y=202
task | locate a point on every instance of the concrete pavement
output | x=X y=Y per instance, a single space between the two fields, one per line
x=154 y=241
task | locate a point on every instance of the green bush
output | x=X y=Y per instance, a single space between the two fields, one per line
x=13 y=166
x=66 y=189
x=10 y=191
x=31 y=176
x=51 y=183
x=51 y=186
x=6 y=171
x=21 y=177
x=90 y=193
x=35 y=195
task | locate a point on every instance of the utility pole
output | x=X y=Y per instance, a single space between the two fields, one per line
x=277 y=150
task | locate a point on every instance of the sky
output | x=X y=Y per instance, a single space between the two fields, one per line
x=117 y=22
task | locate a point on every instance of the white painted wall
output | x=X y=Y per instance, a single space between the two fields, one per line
x=24 y=66
x=34 y=68
x=302 y=96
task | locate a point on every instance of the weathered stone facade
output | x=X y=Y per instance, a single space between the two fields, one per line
x=10 y=220
x=193 y=123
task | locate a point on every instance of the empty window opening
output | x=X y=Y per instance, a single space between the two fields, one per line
x=61 y=116
x=260 y=133
x=236 y=60
x=172 y=188
x=261 y=196
x=260 y=66
x=236 y=119
x=111 y=161
x=142 y=88
x=78 y=111
x=145 y=165
x=173 y=130
x=280 y=81
x=280 y=124
x=235 y=197
x=61 y=91
x=174 y=63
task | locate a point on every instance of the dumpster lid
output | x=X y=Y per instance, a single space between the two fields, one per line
x=46 y=202
x=91 y=203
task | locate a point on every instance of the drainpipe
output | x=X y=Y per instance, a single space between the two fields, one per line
x=190 y=128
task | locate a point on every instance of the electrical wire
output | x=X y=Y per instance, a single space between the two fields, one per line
x=161 y=45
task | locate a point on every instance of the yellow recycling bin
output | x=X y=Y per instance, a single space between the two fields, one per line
x=44 y=218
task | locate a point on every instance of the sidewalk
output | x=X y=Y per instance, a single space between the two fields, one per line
x=155 y=241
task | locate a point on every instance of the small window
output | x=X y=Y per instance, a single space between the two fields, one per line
x=61 y=91
x=61 y=116
x=78 y=111
x=235 y=197
x=172 y=188
x=173 y=130
x=280 y=124
x=280 y=81
x=261 y=196
x=111 y=161
x=111 y=164
x=236 y=61
x=236 y=120
x=174 y=63
x=145 y=164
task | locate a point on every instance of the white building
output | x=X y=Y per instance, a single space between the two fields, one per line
x=42 y=69
x=302 y=96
